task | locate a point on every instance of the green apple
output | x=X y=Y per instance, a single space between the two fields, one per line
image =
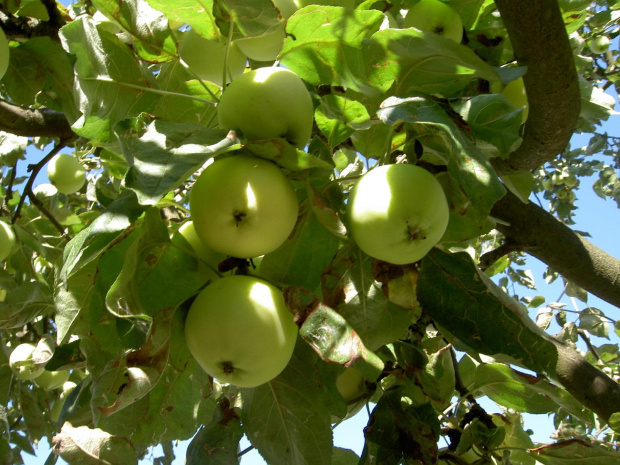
x=4 y=53
x=66 y=173
x=435 y=17
x=266 y=103
x=600 y=44
x=209 y=258
x=515 y=94
x=207 y=58
x=240 y=331
x=397 y=213
x=21 y=362
x=263 y=48
x=243 y=206
x=50 y=380
x=7 y=240
x=350 y=384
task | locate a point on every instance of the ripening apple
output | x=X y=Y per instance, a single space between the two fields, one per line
x=7 y=240
x=21 y=362
x=66 y=173
x=50 y=380
x=60 y=402
x=600 y=44
x=436 y=17
x=266 y=103
x=206 y=58
x=240 y=331
x=397 y=213
x=209 y=258
x=4 y=53
x=243 y=206
x=515 y=94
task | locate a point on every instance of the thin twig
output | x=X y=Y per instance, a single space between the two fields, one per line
x=28 y=189
x=588 y=342
x=9 y=189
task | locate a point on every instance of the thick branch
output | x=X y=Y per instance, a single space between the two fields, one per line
x=23 y=121
x=27 y=28
x=586 y=383
x=538 y=36
x=533 y=230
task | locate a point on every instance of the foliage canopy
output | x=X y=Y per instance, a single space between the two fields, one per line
x=101 y=280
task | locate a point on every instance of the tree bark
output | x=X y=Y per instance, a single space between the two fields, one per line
x=538 y=35
x=23 y=121
x=533 y=230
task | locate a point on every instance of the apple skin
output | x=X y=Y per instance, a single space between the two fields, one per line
x=600 y=44
x=243 y=206
x=60 y=402
x=397 y=213
x=350 y=384
x=66 y=173
x=20 y=362
x=213 y=258
x=4 y=53
x=240 y=332
x=515 y=94
x=206 y=58
x=7 y=240
x=266 y=103
x=435 y=17
x=50 y=380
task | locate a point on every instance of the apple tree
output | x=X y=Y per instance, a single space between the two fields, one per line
x=97 y=278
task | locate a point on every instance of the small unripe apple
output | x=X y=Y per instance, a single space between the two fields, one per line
x=397 y=213
x=240 y=331
x=600 y=44
x=267 y=103
x=21 y=362
x=350 y=384
x=515 y=94
x=435 y=17
x=50 y=380
x=4 y=53
x=66 y=173
x=206 y=58
x=59 y=403
x=243 y=206
x=7 y=240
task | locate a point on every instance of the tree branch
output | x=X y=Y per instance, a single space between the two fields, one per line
x=23 y=121
x=533 y=230
x=27 y=28
x=536 y=28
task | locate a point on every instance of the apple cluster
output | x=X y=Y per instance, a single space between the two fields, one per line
x=244 y=206
x=24 y=368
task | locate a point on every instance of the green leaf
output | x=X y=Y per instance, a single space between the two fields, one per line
x=334 y=130
x=304 y=255
x=113 y=84
x=148 y=27
x=199 y=15
x=595 y=322
x=575 y=451
x=423 y=63
x=324 y=46
x=350 y=112
x=24 y=303
x=329 y=334
x=466 y=164
x=350 y=288
x=166 y=154
x=286 y=420
x=217 y=442
x=92 y=446
x=248 y=18
x=474 y=314
x=493 y=119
